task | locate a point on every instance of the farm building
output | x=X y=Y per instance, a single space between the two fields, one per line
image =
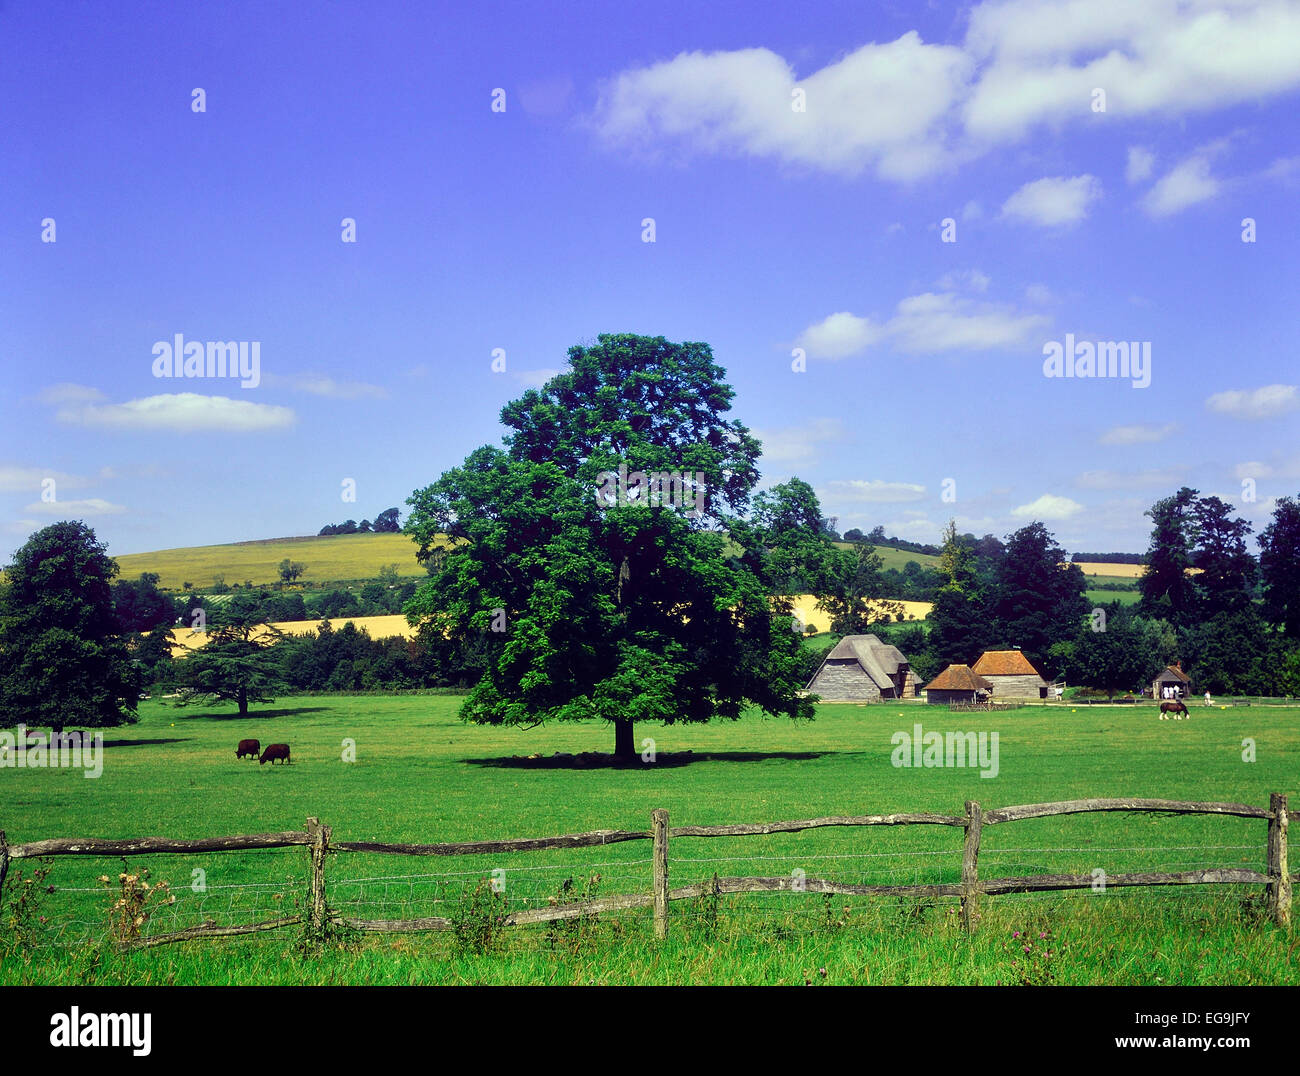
x=1173 y=676
x=957 y=683
x=1012 y=675
x=861 y=668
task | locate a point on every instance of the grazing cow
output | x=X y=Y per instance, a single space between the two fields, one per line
x=274 y=751
x=1177 y=708
x=247 y=747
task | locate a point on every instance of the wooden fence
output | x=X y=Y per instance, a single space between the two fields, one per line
x=318 y=839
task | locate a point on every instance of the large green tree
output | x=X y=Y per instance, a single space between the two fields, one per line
x=1039 y=600
x=1167 y=589
x=607 y=597
x=62 y=661
x=1228 y=573
x=236 y=663
x=1279 y=562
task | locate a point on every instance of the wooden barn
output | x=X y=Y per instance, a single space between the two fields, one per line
x=1173 y=676
x=1012 y=675
x=860 y=668
x=957 y=683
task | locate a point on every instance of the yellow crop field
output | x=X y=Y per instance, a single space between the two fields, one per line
x=184 y=640
x=328 y=558
x=805 y=608
x=1115 y=571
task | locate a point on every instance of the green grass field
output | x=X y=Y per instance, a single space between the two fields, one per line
x=896 y=558
x=423 y=776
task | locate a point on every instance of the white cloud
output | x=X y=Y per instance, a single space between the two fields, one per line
x=972 y=210
x=66 y=392
x=1048 y=506
x=883 y=106
x=909 y=109
x=1141 y=163
x=1145 y=479
x=94 y=506
x=15 y=478
x=1039 y=294
x=1267 y=402
x=968 y=279
x=1053 y=201
x=1188 y=183
x=535 y=379
x=838 y=336
x=797 y=444
x=935 y=323
x=339 y=390
x=1137 y=435
x=872 y=491
x=181 y=412
x=930 y=323
x=1043 y=58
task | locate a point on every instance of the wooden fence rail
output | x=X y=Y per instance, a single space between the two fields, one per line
x=317 y=838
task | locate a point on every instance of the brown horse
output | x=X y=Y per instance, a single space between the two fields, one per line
x=1175 y=707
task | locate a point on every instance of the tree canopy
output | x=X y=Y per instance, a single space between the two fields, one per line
x=62 y=662
x=600 y=599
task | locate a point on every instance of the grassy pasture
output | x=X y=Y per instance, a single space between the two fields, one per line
x=423 y=776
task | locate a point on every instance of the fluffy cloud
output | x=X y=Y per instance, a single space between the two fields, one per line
x=838 y=336
x=798 y=444
x=15 y=478
x=872 y=491
x=66 y=393
x=1150 y=478
x=1141 y=163
x=1054 y=201
x=181 y=412
x=1267 y=402
x=1138 y=434
x=1048 y=506
x=1186 y=184
x=883 y=106
x=1041 y=59
x=94 y=506
x=908 y=109
x=931 y=323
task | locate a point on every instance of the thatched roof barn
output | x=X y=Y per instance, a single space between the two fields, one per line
x=957 y=683
x=860 y=668
x=1012 y=675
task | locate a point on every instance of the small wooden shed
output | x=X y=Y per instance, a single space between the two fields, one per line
x=1173 y=676
x=1012 y=675
x=957 y=683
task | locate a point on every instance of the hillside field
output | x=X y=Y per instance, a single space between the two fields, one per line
x=421 y=775
x=329 y=558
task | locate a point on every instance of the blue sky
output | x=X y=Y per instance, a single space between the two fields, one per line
x=799 y=163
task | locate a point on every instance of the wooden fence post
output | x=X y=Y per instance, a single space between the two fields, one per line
x=659 y=819
x=969 y=867
x=320 y=839
x=1279 y=885
x=4 y=865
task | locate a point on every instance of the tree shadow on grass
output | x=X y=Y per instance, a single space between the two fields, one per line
x=253 y=715
x=593 y=760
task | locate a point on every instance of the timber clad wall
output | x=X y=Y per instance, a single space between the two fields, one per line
x=1016 y=687
x=843 y=680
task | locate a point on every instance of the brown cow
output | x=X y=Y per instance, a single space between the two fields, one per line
x=247 y=747
x=274 y=751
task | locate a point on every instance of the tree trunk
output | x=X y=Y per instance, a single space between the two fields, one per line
x=243 y=702
x=624 y=745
